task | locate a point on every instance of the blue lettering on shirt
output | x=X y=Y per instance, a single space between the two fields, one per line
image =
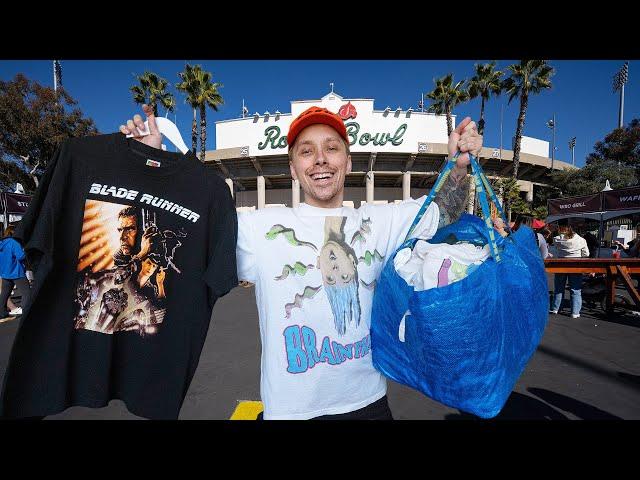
x=303 y=352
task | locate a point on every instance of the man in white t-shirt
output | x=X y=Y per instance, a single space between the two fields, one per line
x=315 y=268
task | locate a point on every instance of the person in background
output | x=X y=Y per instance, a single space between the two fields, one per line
x=592 y=243
x=569 y=245
x=12 y=272
x=633 y=247
x=535 y=225
x=548 y=235
x=498 y=224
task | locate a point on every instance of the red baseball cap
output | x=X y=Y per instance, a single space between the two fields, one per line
x=537 y=224
x=312 y=116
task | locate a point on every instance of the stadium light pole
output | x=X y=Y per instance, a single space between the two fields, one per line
x=572 y=147
x=552 y=125
x=619 y=80
x=57 y=75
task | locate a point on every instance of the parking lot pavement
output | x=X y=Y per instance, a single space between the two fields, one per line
x=585 y=368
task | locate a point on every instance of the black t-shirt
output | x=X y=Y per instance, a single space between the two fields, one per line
x=131 y=246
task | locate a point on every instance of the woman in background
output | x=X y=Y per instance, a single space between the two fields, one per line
x=569 y=245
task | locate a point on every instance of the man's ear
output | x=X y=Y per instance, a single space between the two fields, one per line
x=293 y=171
x=348 y=164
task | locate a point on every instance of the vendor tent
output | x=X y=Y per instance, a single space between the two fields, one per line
x=600 y=206
x=13 y=205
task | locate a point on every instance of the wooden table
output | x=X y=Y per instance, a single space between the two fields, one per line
x=616 y=269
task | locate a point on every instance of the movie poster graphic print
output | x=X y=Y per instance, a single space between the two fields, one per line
x=124 y=262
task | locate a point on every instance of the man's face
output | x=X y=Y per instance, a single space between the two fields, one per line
x=320 y=163
x=337 y=266
x=128 y=228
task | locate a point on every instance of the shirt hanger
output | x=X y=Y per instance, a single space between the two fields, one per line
x=167 y=128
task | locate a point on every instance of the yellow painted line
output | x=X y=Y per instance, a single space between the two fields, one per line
x=247 y=410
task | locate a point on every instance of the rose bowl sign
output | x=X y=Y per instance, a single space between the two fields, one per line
x=369 y=130
x=275 y=139
x=347 y=111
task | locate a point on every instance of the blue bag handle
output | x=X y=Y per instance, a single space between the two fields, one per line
x=488 y=188
x=482 y=187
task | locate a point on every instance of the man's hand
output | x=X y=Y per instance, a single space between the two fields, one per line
x=452 y=197
x=136 y=128
x=465 y=138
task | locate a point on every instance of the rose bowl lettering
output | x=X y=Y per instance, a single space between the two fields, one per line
x=274 y=140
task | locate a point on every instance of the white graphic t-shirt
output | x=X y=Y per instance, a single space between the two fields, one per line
x=315 y=271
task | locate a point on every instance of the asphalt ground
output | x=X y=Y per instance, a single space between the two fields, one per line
x=585 y=368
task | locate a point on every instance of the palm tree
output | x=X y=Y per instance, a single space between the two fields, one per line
x=529 y=77
x=188 y=84
x=485 y=82
x=170 y=106
x=151 y=90
x=207 y=95
x=446 y=96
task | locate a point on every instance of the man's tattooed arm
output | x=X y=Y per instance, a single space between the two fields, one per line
x=453 y=196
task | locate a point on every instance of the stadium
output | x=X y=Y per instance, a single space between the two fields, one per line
x=396 y=154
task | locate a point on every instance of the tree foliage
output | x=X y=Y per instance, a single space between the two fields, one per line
x=616 y=158
x=487 y=81
x=34 y=120
x=529 y=77
x=152 y=89
x=12 y=173
x=445 y=96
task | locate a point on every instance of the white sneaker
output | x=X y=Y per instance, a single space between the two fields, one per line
x=16 y=311
x=575 y=315
x=555 y=312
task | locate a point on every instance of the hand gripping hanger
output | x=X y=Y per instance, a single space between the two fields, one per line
x=169 y=130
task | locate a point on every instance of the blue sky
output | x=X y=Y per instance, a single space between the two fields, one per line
x=581 y=97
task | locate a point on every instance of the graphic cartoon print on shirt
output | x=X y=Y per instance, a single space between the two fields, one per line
x=337 y=262
x=124 y=261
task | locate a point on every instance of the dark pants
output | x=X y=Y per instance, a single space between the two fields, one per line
x=378 y=410
x=7 y=288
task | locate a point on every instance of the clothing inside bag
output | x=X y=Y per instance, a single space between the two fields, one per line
x=432 y=265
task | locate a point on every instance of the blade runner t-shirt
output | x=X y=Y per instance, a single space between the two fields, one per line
x=131 y=246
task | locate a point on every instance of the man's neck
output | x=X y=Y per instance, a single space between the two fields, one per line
x=335 y=202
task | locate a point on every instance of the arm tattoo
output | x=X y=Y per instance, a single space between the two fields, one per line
x=452 y=198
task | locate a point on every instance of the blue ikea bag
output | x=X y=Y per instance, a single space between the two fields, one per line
x=465 y=344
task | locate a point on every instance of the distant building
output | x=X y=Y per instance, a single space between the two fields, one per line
x=396 y=154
